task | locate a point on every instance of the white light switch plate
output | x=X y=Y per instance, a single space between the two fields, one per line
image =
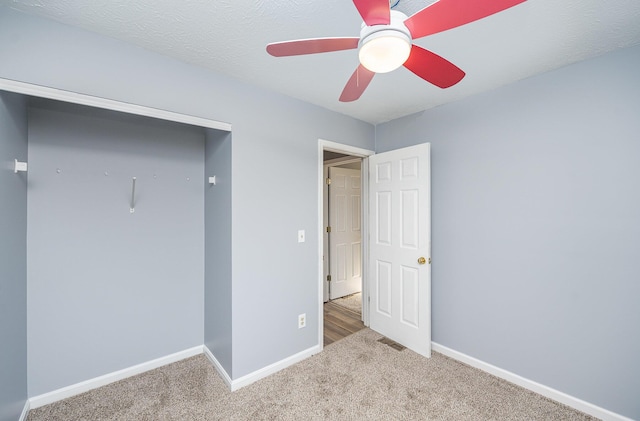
x=300 y=236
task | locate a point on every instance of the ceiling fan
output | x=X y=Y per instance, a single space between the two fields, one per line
x=385 y=41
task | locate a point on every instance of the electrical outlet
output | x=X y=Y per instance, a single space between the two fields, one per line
x=302 y=320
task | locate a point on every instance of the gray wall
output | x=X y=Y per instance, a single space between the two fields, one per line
x=217 y=239
x=109 y=289
x=274 y=166
x=13 y=257
x=536 y=226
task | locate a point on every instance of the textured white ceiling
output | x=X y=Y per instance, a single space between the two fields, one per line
x=229 y=37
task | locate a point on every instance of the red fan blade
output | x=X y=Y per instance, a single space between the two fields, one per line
x=447 y=14
x=311 y=46
x=374 y=12
x=433 y=68
x=356 y=85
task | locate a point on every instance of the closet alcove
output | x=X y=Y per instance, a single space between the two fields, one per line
x=107 y=287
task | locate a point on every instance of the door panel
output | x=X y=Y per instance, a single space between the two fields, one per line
x=383 y=218
x=383 y=288
x=409 y=219
x=400 y=233
x=356 y=260
x=410 y=293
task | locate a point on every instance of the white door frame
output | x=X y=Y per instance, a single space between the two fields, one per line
x=327 y=145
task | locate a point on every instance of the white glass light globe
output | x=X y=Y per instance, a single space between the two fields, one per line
x=384 y=51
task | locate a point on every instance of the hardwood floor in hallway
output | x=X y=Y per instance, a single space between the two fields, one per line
x=339 y=322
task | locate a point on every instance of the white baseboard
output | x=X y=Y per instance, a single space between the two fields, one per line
x=223 y=373
x=25 y=411
x=85 y=386
x=556 y=395
x=263 y=372
x=273 y=368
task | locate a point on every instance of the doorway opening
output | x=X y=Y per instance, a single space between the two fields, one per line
x=342 y=209
x=343 y=260
x=396 y=234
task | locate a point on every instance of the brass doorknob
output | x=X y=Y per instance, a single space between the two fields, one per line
x=422 y=261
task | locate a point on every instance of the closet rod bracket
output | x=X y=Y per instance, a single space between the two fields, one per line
x=19 y=166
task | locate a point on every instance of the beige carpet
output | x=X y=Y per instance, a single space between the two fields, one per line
x=352 y=302
x=356 y=378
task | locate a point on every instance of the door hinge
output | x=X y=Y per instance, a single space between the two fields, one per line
x=328 y=278
x=328 y=229
x=328 y=181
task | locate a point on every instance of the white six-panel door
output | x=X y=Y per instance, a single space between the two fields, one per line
x=345 y=265
x=399 y=246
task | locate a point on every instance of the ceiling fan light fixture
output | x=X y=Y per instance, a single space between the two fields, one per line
x=385 y=50
x=385 y=41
